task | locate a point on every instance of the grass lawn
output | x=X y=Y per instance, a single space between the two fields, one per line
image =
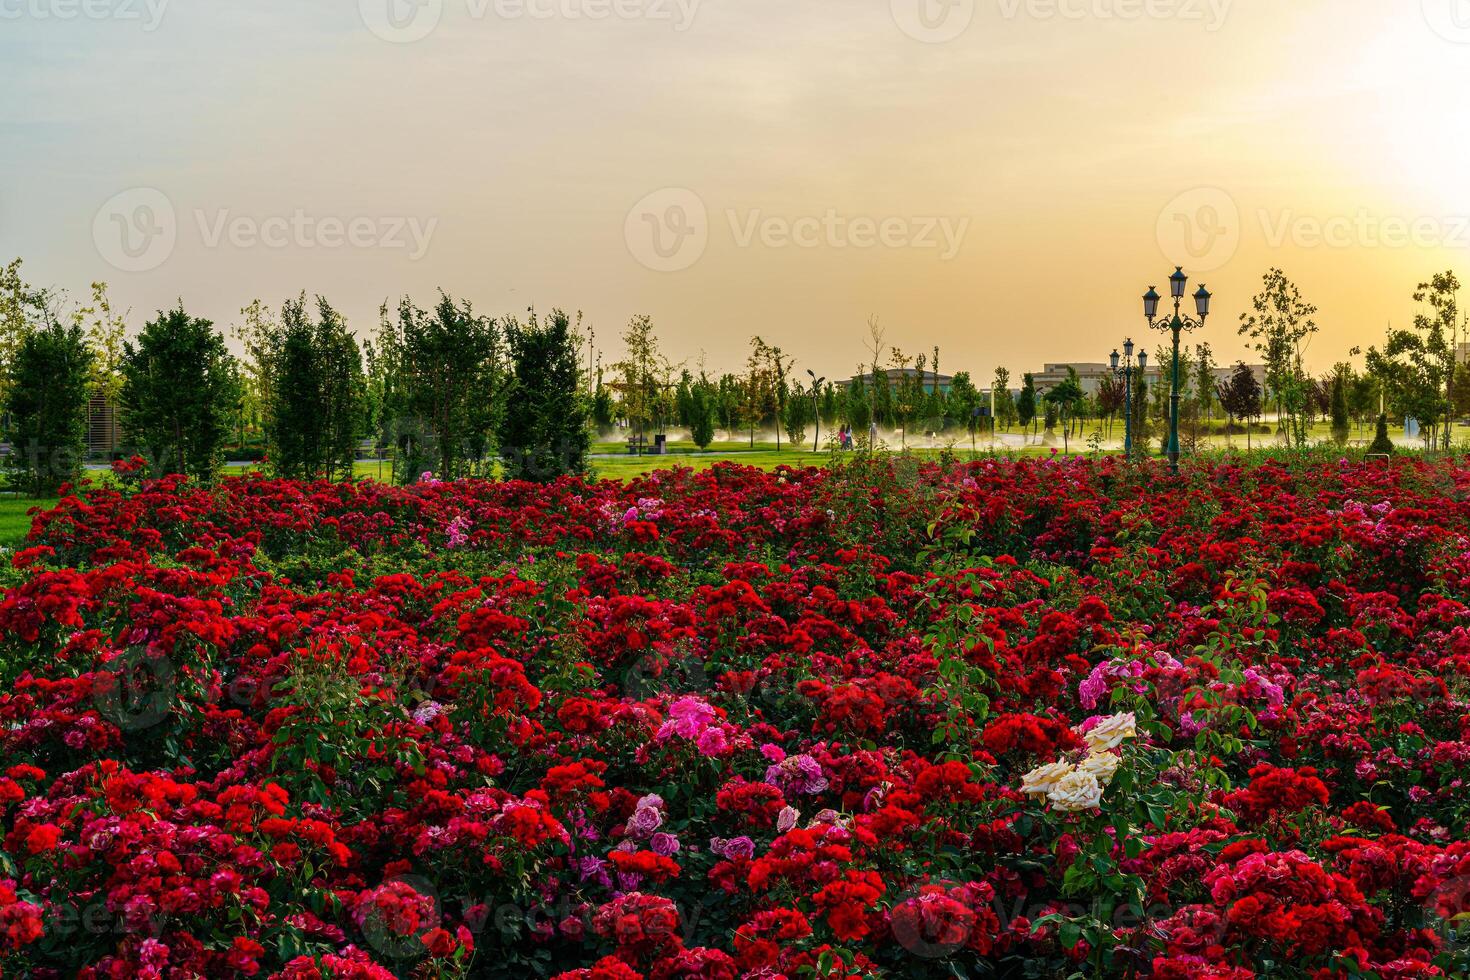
x=14 y=521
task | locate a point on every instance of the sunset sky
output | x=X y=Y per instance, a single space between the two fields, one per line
x=1003 y=178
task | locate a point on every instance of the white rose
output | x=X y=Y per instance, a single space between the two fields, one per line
x=1076 y=791
x=1039 y=781
x=1100 y=766
x=1111 y=732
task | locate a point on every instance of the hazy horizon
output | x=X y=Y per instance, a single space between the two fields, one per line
x=1000 y=178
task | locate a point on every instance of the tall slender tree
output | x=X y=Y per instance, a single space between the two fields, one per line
x=178 y=393
x=441 y=378
x=316 y=392
x=545 y=430
x=45 y=401
x=1280 y=324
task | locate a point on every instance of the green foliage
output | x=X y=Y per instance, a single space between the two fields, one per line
x=316 y=401
x=703 y=404
x=544 y=431
x=1339 y=408
x=1062 y=402
x=1382 y=444
x=1279 y=326
x=46 y=409
x=794 y=417
x=440 y=377
x=1005 y=403
x=646 y=374
x=1240 y=396
x=178 y=393
x=858 y=408
x=1417 y=365
x=23 y=308
x=602 y=405
x=1026 y=404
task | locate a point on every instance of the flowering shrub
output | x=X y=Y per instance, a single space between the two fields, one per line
x=1032 y=719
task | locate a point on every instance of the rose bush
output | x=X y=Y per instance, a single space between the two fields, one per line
x=1014 y=719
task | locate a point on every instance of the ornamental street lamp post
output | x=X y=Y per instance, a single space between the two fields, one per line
x=1123 y=368
x=1175 y=325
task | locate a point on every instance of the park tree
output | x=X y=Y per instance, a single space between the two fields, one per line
x=105 y=329
x=831 y=405
x=315 y=392
x=1382 y=445
x=1062 y=402
x=964 y=403
x=778 y=366
x=728 y=405
x=178 y=394
x=1363 y=397
x=23 y=309
x=1112 y=395
x=1460 y=406
x=858 y=409
x=1338 y=409
x=645 y=376
x=1418 y=363
x=1142 y=430
x=1005 y=403
x=795 y=415
x=45 y=408
x=602 y=404
x=703 y=409
x=1203 y=388
x=1280 y=324
x=1026 y=404
x=682 y=395
x=1240 y=397
x=905 y=398
x=544 y=430
x=757 y=389
x=442 y=378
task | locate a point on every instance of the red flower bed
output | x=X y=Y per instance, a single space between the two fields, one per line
x=1031 y=719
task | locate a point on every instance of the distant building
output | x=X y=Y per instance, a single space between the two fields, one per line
x=103 y=433
x=1091 y=374
x=942 y=382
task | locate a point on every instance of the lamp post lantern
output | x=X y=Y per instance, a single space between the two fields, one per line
x=1123 y=367
x=1174 y=325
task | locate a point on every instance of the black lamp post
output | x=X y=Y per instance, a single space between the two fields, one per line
x=1174 y=325
x=1123 y=368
